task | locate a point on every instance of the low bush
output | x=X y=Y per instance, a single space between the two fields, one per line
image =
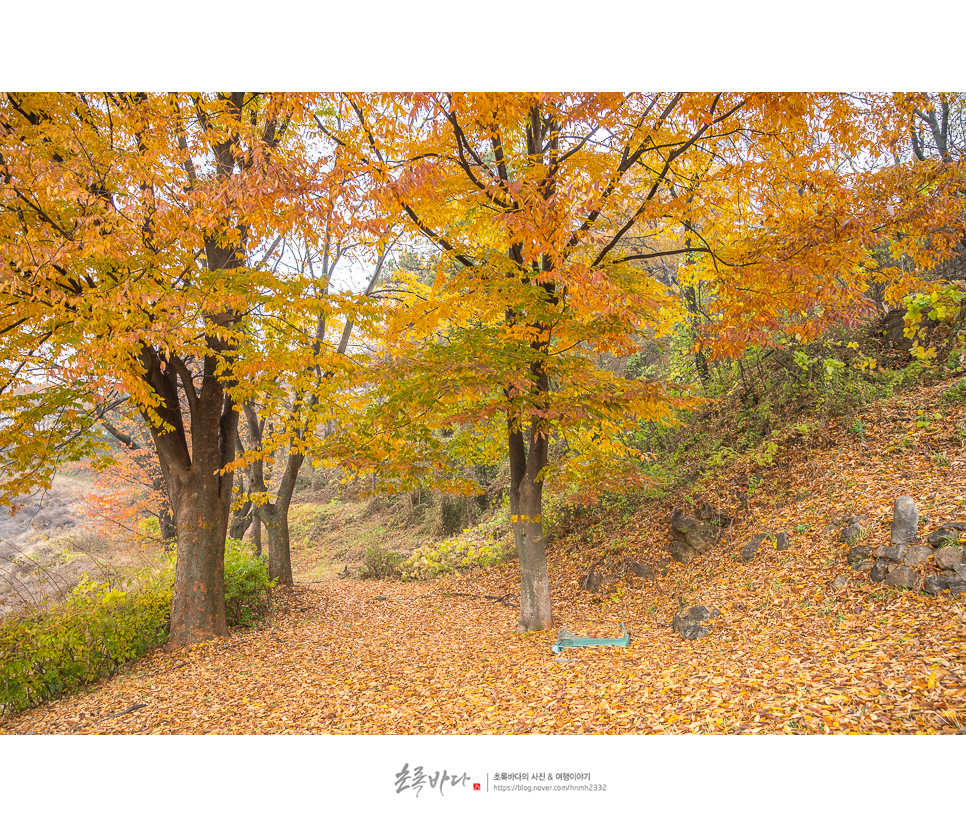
x=381 y=563
x=247 y=586
x=98 y=628
x=468 y=550
x=47 y=654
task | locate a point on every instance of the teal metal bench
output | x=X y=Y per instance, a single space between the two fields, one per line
x=568 y=640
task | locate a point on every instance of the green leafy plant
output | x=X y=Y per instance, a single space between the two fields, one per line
x=247 y=586
x=381 y=563
x=460 y=553
x=956 y=393
x=53 y=652
x=765 y=454
x=924 y=421
x=47 y=654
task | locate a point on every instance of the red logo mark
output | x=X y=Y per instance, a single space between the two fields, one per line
x=476 y=786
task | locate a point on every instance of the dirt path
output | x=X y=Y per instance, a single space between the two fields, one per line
x=358 y=657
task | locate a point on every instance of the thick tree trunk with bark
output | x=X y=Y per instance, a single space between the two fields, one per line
x=526 y=508
x=535 y=608
x=198 y=607
x=200 y=494
x=529 y=460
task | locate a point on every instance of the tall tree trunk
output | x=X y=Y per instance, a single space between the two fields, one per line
x=535 y=608
x=200 y=493
x=526 y=507
x=528 y=461
x=518 y=466
x=279 y=547
x=198 y=607
x=274 y=514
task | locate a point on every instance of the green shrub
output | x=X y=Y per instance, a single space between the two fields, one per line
x=460 y=553
x=48 y=654
x=380 y=563
x=956 y=393
x=247 y=586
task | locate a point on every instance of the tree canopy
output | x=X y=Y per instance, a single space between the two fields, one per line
x=547 y=210
x=134 y=232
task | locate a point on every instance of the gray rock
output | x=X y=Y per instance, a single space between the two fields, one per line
x=948 y=533
x=699 y=535
x=880 y=570
x=865 y=564
x=750 y=550
x=935 y=585
x=688 y=524
x=839 y=583
x=892 y=553
x=682 y=552
x=946 y=557
x=859 y=553
x=689 y=624
x=956 y=578
x=854 y=529
x=782 y=542
x=701 y=542
x=905 y=520
x=595 y=580
x=902 y=577
x=916 y=555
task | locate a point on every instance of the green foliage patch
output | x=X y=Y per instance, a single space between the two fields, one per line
x=247 y=586
x=98 y=628
x=460 y=553
x=47 y=654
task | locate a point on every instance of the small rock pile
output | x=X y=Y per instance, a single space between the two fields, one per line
x=750 y=550
x=907 y=563
x=692 y=535
x=690 y=624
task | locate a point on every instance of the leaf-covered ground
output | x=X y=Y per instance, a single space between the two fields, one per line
x=788 y=654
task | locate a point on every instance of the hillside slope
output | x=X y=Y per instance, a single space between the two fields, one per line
x=804 y=643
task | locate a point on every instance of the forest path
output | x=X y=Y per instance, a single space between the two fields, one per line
x=337 y=659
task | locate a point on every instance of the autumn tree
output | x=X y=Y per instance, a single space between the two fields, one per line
x=286 y=420
x=132 y=234
x=534 y=202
